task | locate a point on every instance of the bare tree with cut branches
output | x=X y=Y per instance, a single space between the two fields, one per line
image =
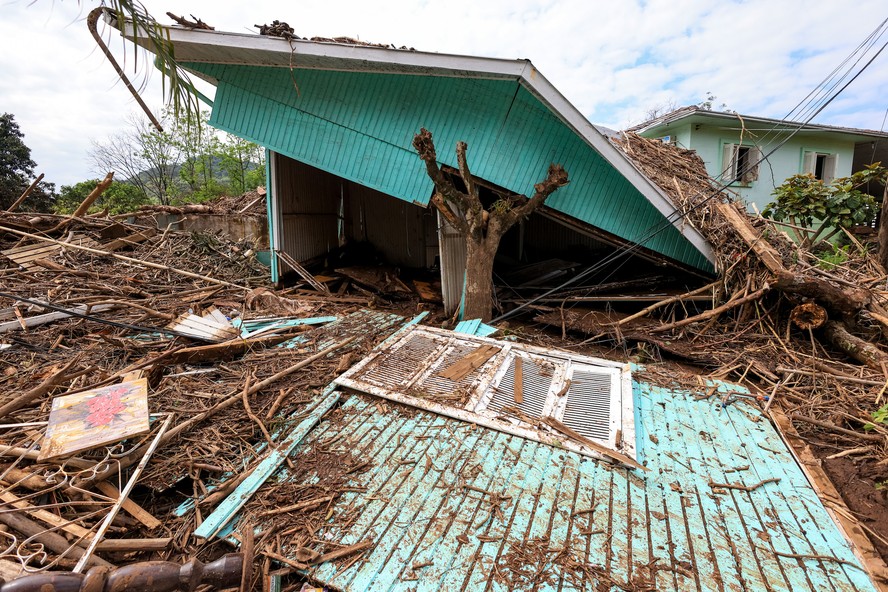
x=482 y=228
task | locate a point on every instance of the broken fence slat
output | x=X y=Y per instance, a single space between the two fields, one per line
x=229 y=508
x=52 y=316
x=464 y=366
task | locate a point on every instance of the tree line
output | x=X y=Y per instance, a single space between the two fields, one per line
x=188 y=162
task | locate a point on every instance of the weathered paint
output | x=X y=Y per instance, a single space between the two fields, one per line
x=668 y=527
x=228 y=509
x=360 y=125
x=475 y=327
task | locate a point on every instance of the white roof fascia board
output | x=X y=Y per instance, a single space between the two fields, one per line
x=776 y=125
x=457 y=66
x=454 y=65
x=538 y=85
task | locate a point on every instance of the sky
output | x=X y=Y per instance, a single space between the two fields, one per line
x=615 y=60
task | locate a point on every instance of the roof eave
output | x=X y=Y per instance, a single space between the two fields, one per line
x=347 y=57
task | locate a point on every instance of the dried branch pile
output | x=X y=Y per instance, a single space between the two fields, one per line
x=229 y=402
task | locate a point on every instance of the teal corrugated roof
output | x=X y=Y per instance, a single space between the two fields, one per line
x=360 y=126
x=563 y=521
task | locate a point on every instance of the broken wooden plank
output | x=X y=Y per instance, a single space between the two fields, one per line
x=121 y=545
x=427 y=291
x=132 y=239
x=129 y=506
x=53 y=316
x=603 y=450
x=519 y=381
x=464 y=366
x=302 y=272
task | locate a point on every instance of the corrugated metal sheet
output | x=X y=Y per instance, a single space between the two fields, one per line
x=360 y=126
x=453 y=264
x=394 y=227
x=499 y=512
x=309 y=203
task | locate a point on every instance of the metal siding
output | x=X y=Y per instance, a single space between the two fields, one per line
x=452 y=249
x=309 y=201
x=597 y=514
x=360 y=126
x=395 y=228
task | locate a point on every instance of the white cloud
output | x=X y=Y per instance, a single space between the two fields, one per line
x=612 y=59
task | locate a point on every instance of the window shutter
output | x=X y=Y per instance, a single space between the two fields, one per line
x=589 y=403
x=808 y=163
x=536 y=381
x=397 y=367
x=729 y=163
x=752 y=164
x=829 y=168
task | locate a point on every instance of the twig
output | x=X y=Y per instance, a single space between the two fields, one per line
x=741 y=487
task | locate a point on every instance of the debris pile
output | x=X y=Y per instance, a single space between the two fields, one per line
x=807 y=336
x=145 y=375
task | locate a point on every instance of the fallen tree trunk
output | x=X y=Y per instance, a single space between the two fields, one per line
x=855 y=347
x=843 y=302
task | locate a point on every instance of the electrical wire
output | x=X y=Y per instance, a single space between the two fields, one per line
x=720 y=186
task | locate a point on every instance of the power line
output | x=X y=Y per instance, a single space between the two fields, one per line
x=669 y=222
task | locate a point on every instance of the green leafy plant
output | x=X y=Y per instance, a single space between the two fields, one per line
x=836 y=258
x=818 y=211
x=879 y=416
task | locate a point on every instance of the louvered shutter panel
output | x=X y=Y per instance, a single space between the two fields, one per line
x=752 y=165
x=396 y=367
x=830 y=165
x=589 y=404
x=536 y=382
x=729 y=163
x=809 y=162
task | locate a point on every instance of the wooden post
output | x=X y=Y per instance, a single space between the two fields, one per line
x=25 y=195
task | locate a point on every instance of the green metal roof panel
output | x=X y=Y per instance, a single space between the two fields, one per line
x=449 y=505
x=360 y=126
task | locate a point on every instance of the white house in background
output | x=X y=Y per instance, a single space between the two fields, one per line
x=731 y=144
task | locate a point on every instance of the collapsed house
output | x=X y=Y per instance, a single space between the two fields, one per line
x=338 y=122
x=361 y=449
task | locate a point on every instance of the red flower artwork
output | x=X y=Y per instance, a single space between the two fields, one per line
x=105 y=407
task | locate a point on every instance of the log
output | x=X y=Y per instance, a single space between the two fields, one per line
x=808 y=316
x=93 y=195
x=855 y=347
x=844 y=302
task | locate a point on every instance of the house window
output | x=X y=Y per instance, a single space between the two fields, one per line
x=820 y=164
x=503 y=385
x=740 y=164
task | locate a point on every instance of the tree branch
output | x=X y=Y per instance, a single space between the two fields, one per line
x=555 y=178
x=445 y=191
